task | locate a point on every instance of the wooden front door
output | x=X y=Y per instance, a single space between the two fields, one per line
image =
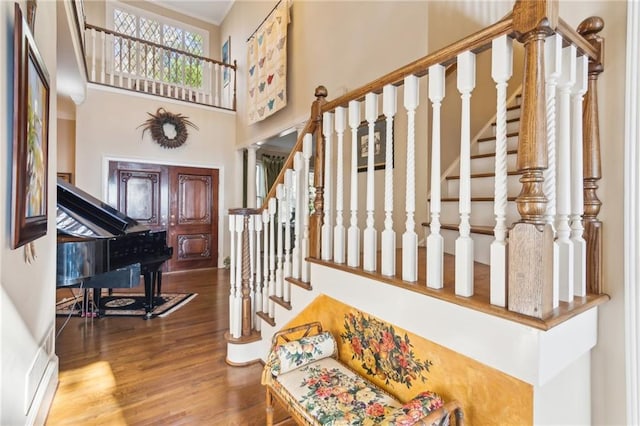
x=180 y=200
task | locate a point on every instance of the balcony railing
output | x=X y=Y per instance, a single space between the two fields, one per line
x=130 y=63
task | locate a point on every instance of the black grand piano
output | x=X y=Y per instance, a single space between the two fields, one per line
x=99 y=247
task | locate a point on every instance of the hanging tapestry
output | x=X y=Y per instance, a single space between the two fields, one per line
x=267 y=65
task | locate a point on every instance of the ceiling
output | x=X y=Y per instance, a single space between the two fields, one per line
x=212 y=11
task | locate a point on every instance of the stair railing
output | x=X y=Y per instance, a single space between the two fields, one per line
x=131 y=63
x=523 y=253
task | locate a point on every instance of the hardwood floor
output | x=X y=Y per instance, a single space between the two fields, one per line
x=164 y=371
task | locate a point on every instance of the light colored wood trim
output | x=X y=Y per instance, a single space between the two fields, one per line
x=316 y=219
x=266 y=318
x=483 y=175
x=243 y=364
x=493 y=138
x=299 y=283
x=280 y=301
x=577 y=38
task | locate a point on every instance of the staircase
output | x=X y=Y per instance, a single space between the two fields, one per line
x=482 y=218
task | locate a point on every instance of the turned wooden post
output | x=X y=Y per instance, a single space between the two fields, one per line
x=589 y=29
x=315 y=224
x=531 y=240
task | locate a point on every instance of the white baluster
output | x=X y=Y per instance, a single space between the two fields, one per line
x=501 y=70
x=553 y=70
x=103 y=57
x=216 y=89
x=153 y=70
x=252 y=269
x=211 y=83
x=563 y=182
x=307 y=145
x=370 y=235
x=410 y=238
x=286 y=213
x=280 y=247
x=93 y=54
x=129 y=70
x=577 y=201
x=232 y=274
x=258 y=256
x=237 y=299
x=435 y=242
x=327 y=222
x=265 y=266
x=339 y=231
x=111 y=42
x=464 y=243
x=272 y=255
x=296 y=262
x=353 y=234
x=388 y=255
x=121 y=43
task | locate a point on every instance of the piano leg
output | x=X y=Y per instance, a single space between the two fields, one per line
x=149 y=278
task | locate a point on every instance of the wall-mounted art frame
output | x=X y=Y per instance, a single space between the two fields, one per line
x=30 y=137
x=226 y=58
x=380 y=151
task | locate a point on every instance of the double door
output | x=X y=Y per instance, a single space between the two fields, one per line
x=180 y=200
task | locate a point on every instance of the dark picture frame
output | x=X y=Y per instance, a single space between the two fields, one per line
x=30 y=137
x=380 y=136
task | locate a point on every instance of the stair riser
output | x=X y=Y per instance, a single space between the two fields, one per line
x=484 y=186
x=489 y=147
x=481 y=245
x=488 y=164
x=481 y=213
x=513 y=126
x=513 y=113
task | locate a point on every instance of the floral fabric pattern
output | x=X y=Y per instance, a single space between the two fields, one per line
x=381 y=351
x=300 y=352
x=411 y=412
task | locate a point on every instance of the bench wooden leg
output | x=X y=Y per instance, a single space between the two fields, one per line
x=269 y=404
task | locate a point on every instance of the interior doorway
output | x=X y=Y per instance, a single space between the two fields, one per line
x=180 y=200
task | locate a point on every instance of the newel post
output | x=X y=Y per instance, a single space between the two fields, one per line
x=589 y=29
x=315 y=223
x=530 y=285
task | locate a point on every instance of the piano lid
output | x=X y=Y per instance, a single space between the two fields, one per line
x=83 y=215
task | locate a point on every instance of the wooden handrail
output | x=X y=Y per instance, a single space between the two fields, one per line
x=577 y=39
x=476 y=43
x=158 y=46
x=288 y=164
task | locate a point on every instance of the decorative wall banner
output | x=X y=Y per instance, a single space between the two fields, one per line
x=267 y=65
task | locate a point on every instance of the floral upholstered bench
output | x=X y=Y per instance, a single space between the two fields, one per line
x=304 y=374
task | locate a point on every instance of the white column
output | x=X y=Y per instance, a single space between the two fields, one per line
x=553 y=70
x=307 y=144
x=370 y=235
x=563 y=182
x=353 y=233
x=286 y=222
x=296 y=261
x=266 y=263
x=237 y=298
x=258 y=268
x=327 y=222
x=410 y=238
x=232 y=274
x=501 y=70
x=279 y=243
x=389 y=108
x=464 y=243
x=435 y=242
x=251 y=177
x=93 y=54
x=272 y=255
x=339 y=231
x=577 y=185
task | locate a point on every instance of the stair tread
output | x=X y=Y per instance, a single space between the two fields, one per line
x=493 y=154
x=280 y=301
x=472 y=199
x=511 y=108
x=510 y=120
x=493 y=138
x=475 y=229
x=266 y=318
x=482 y=175
x=302 y=284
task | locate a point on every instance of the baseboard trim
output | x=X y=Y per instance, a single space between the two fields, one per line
x=37 y=414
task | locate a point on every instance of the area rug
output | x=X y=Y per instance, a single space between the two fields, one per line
x=127 y=304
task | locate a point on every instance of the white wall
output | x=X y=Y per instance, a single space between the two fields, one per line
x=27 y=295
x=107 y=128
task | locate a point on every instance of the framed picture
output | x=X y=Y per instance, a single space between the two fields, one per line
x=30 y=137
x=226 y=58
x=380 y=144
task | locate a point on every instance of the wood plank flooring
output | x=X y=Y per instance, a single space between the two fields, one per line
x=164 y=371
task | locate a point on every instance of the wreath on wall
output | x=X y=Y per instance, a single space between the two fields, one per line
x=167 y=129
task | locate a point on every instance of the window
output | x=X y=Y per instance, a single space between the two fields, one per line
x=146 y=61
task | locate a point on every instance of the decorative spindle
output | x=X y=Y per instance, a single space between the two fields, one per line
x=353 y=233
x=501 y=70
x=258 y=268
x=563 y=176
x=464 y=243
x=216 y=88
x=286 y=222
x=232 y=275
x=327 y=223
x=370 y=235
x=279 y=248
x=390 y=107
x=307 y=144
x=103 y=57
x=251 y=251
x=265 y=273
x=409 y=237
x=339 y=231
x=435 y=242
x=577 y=201
x=296 y=262
x=246 y=277
x=93 y=54
x=272 y=255
x=315 y=221
x=237 y=300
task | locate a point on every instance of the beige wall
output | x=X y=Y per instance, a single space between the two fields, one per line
x=95 y=11
x=66 y=152
x=27 y=293
x=107 y=127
